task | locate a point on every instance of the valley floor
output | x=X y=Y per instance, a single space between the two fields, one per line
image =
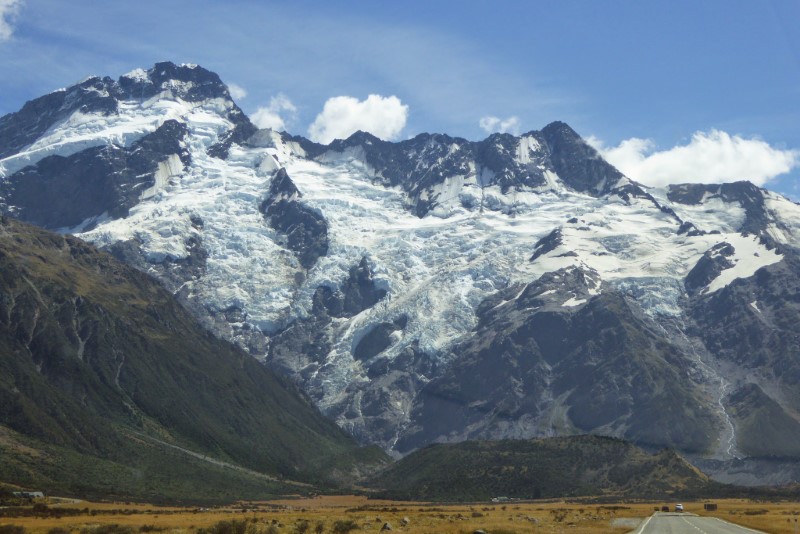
x=340 y=514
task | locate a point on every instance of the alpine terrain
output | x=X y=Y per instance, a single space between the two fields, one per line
x=435 y=289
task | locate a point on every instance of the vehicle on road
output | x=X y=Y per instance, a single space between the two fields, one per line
x=679 y=508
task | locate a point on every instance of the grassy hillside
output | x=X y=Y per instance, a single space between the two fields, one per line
x=97 y=361
x=540 y=468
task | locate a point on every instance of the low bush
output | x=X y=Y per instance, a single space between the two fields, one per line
x=344 y=526
x=107 y=529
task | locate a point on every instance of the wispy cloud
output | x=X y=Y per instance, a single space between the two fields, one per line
x=710 y=157
x=382 y=116
x=8 y=11
x=491 y=124
x=237 y=91
x=277 y=115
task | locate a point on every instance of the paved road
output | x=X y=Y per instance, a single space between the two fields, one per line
x=669 y=523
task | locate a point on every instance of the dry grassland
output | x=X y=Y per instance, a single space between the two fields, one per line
x=321 y=514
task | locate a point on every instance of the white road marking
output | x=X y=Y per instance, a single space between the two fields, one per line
x=643 y=525
x=740 y=526
x=694 y=526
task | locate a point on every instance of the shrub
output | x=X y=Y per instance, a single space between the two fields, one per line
x=344 y=526
x=107 y=529
x=226 y=527
x=11 y=529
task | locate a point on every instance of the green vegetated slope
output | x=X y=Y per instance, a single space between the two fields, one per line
x=105 y=376
x=539 y=468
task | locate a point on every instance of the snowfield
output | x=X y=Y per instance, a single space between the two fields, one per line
x=437 y=269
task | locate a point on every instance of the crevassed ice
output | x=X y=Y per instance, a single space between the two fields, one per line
x=437 y=269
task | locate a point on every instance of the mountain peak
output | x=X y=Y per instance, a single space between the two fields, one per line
x=189 y=82
x=577 y=163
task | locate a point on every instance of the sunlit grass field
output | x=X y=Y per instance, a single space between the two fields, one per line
x=338 y=514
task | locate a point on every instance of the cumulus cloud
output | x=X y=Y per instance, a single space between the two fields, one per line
x=237 y=91
x=342 y=116
x=276 y=115
x=709 y=157
x=492 y=124
x=8 y=11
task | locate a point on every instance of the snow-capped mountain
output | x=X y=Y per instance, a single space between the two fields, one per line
x=435 y=289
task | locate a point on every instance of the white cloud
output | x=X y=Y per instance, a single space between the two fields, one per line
x=710 y=157
x=341 y=116
x=491 y=124
x=277 y=114
x=237 y=91
x=8 y=10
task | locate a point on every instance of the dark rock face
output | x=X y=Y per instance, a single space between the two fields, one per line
x=747 y=195
x=301 y=348
x=195 y=83
x=577 y=163
x=765 y=427
x=752 y=323
x=305 y=229
x=356 y=294
x=378 y=339
x=62 y=192
x=304 y=345
x=713 y=262
x=421 y=164
x=243 y=130
x=690 y=230
x=601 y=364
x=547 y=244
x=20 y=129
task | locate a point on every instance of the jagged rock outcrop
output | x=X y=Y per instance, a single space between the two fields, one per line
x=64 y=192
x=577 y=163
x=305 y=229
x=709 y=267
x=748 y=196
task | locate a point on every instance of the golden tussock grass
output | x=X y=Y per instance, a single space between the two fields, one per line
x=288 y=514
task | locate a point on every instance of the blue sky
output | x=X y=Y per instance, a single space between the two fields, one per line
x=699 y=89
